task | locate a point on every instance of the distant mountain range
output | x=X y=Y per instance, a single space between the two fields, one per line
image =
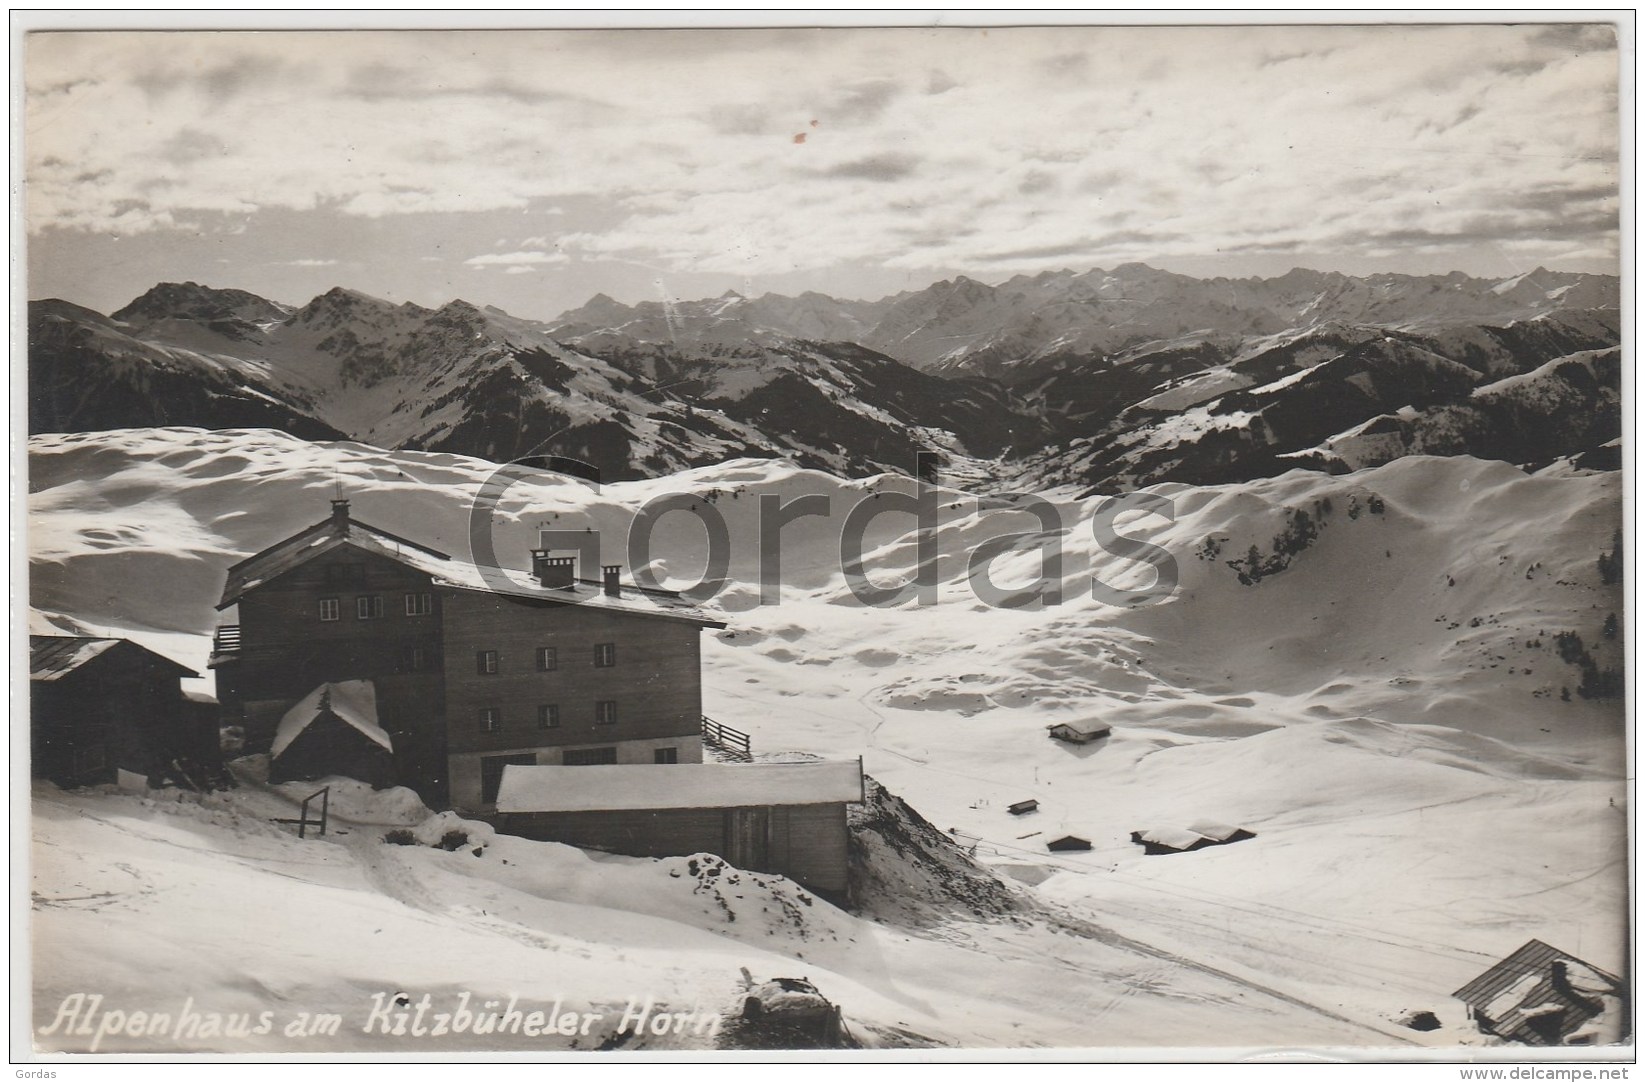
x=1103 y=379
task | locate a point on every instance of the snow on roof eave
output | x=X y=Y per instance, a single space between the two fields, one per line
x=311 y=542
x=684 y=612
x=637 y=787
x=57 y=662
x=354 y=702
x=449 y=573
x=1175 y=837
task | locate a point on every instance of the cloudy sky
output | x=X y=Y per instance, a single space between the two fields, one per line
x=533 y=169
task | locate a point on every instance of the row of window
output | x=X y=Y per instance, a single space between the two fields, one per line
x=548 y=716
x=370 y=606
x=417 y=658
x=488 y=663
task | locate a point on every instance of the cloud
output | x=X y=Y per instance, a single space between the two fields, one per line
x=863 y=102
x=932 y=148
x=309 y=263
x=190 y=145
x=523 y=259
x=876 y=167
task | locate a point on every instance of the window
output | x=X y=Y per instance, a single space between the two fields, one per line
x=605 y=654
x=665 y=755
x=548 y=716
x=419 y=605
x=485 y=662
x=491 y=720
x=414 y=659
x=330 y=609
x=548 y=658
x=368 y=606
x=588 y=757
x=605 y=711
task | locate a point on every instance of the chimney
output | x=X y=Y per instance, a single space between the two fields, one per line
x=553 y=571
x=339 y=511
x=611 y=572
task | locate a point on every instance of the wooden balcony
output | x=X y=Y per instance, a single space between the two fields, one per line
x=226 y=640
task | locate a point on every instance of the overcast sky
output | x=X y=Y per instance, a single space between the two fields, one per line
x=533 y=169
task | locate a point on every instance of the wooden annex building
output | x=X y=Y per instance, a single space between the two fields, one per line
x=1540 y=995
x=471 y=669
x=786 y=818
x=101 y=706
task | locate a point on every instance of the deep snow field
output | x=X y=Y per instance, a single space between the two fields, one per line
x=1388 y=713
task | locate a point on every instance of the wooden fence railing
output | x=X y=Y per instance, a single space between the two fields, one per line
x=731 y=742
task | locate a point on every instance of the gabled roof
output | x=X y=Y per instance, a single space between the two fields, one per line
x=354 y=702
x=1177 y=838
x=1089 y=729
x=334 y=533
x=1532 y=959
x=628 y=787
x=53 y=657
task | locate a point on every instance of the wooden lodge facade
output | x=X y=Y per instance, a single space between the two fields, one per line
x=473 y=670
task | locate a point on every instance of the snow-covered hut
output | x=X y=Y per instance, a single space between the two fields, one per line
x=333 y=731
x=1078 y=733
x=1540 y=995
x=786 y=818
x=100 y=708
x=1196 y=836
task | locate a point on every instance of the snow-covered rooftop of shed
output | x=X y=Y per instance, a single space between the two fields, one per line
x=616 y=787
x=1178 y=838
x=1213 y=830
x=1092 y=729
x=355 y=702
x=53 y=657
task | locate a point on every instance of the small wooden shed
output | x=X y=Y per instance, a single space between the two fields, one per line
x=100 y=706
x=1540 y=995
x=333 y=731
x=786 y=818
x=1068 y=843
x=1079 y=733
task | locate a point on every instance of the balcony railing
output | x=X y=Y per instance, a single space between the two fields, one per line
x=227 y=639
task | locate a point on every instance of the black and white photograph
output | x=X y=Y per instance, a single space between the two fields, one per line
x=1029 y=538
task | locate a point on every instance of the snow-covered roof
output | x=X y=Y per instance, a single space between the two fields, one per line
x=1533 y=959
x=443 y=570
x=1087 y=729
x=1178 y=838
x=619 y=787
x=52 y=657
x=1214 y=830
x=355 y=702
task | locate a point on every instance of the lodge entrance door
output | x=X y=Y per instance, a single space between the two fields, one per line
x=748 y=838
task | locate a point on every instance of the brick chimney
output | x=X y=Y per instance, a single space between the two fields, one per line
x=610 y=573
x=553 y=571
x=339 y=511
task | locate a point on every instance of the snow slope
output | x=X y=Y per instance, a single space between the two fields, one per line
x=1375 y=688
